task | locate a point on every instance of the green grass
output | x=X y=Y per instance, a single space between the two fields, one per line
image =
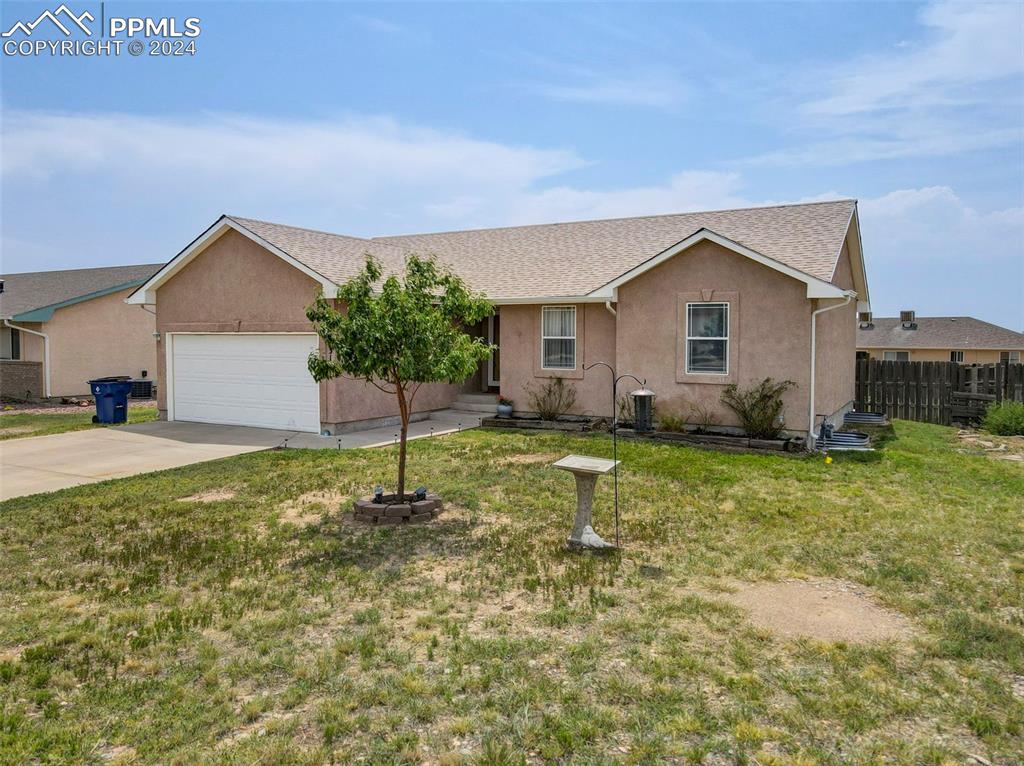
x=19 y=426
x=136 y=628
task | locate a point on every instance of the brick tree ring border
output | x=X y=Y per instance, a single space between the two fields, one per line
x=392 y=512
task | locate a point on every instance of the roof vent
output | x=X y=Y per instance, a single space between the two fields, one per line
x=865 y=320
x=908 y=320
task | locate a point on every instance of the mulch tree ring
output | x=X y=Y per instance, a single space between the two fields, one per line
x=392 y=511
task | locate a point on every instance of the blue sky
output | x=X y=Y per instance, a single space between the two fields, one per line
x=392 y=118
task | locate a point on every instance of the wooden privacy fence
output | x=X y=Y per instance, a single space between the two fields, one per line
x=935 y=392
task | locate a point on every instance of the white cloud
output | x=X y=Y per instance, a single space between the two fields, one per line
x=970 y=43
x=955 y=89
x=928 y=250
x=649 y=90
x=343 y=159
x=685 y=191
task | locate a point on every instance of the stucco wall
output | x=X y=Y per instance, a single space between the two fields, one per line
x=237 y=286
x=769 y=331
x=96 y=338
x=769 y=337
x=836 y=363
x=520 y=357
x=971 y=356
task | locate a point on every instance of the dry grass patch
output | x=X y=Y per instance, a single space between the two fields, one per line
x=998 y=447
x=309 y=508
x=210 y=496
x=822 y=609
x=528 y=459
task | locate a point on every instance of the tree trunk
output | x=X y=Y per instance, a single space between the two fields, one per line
x=403 y=413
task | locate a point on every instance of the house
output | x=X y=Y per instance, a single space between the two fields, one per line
x=62 y=328
x=689 y=302
x=910 y=338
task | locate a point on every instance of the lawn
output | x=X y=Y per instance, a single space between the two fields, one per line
x=252 y=623
x=15 y=425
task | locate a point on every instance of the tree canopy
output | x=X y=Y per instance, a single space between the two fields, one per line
x=407 y=332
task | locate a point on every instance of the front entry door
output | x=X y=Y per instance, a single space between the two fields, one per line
x=494 y=338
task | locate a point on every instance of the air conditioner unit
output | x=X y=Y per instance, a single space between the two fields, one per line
x=908 y=319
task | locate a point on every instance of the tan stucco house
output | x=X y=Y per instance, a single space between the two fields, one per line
x=910 y=338
x=60 y=329
x=691 y=302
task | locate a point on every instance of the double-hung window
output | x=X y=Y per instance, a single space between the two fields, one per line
x=707 y=338
x=558 y=337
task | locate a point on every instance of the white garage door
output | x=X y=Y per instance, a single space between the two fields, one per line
x=245 y=380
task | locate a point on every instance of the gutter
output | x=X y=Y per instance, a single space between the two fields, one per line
x=46 y=352
x=849 y=296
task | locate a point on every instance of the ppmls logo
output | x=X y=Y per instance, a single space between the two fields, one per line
x=55 y=17
x=163 y=36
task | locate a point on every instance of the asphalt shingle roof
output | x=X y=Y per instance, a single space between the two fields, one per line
x=562 y=259
x=939 y=332
x=31 y=290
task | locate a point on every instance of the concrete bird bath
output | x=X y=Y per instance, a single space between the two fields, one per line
x=586 y=470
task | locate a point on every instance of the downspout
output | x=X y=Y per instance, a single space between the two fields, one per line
x=608 y=305
x=46 y=352
x=811 y=438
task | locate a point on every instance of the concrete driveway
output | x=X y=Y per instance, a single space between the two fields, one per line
x=48 y=463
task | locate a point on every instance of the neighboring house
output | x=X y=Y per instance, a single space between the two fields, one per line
x=62 y=328
x=910 y=338
x=690 y=302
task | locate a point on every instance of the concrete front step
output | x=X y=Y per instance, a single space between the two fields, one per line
x=461 y=404
x=483 y=403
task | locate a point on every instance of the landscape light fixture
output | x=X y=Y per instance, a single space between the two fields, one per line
x=378 y=494
x=640 y=394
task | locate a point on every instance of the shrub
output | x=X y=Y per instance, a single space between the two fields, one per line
x=758 y=407
x=1005 y=419
x=553 y=399
x=625 y=411
x=702 y=416
x=671 y=421
x=505 y=401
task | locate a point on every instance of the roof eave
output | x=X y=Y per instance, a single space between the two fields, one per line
x=45 y=313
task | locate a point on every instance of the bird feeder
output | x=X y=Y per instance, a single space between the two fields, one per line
x=643 y=409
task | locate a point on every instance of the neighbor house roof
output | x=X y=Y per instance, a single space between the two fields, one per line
x=939 y=332
x=583 y=259
x=34 y=296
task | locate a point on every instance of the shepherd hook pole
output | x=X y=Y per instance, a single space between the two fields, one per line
x=615 y=429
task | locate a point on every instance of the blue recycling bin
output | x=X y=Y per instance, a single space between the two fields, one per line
x=111 y=396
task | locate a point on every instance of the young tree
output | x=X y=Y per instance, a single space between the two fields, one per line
x=408 y=333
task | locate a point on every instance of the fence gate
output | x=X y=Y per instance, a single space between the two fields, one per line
x=935 y=392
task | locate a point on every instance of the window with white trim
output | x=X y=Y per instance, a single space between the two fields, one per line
x=956 y=356
x=1013 y=357
x=896 y=356
x=707 y=338
x=558 y=337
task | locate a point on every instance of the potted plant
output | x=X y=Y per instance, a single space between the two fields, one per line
x=504 y=407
